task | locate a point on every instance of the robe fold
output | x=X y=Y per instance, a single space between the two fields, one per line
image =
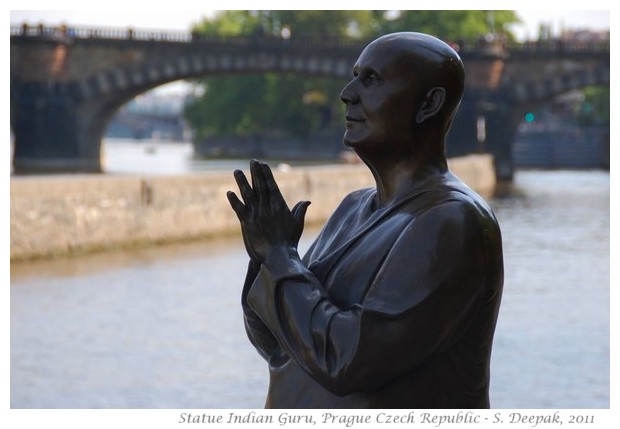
x=393 y=307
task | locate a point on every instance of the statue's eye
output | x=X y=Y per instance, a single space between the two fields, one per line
x=372 y=78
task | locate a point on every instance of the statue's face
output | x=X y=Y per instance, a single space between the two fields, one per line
x=382 y=100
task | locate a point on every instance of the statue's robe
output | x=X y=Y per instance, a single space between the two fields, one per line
x=393 y=307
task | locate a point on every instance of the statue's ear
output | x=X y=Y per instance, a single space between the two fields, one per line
x=432 y=104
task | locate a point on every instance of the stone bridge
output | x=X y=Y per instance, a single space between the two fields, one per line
x=67 y=83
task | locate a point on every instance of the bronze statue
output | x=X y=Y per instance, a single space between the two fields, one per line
x=395 y=303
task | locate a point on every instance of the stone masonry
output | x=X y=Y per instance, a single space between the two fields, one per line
x=62 y=215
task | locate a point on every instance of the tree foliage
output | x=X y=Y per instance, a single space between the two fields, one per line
x=445 y=24
x=256 y=104
x=594 y=109
x=334 y=23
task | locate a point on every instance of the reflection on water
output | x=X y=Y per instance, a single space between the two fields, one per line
x=151 y=157
x=161 y=327
x=552 y=342
x=120 y=156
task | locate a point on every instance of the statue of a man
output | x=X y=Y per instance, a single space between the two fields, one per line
x=395 y=303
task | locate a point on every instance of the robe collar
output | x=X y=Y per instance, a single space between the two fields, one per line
x=321 y=267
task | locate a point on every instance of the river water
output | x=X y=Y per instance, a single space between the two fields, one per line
x=162 y=327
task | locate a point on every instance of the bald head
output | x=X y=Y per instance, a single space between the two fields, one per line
x=428 y=62
x=405 y=90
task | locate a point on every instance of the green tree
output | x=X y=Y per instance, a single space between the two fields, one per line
x=445 y=24
x=255 y=104
x=335 y=23
x=230 y=23
x=594 y=110
x=228 y=106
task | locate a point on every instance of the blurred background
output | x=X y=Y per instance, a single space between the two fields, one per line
x=111 y=110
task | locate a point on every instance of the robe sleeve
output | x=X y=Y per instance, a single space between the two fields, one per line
x=258 y=333
x=419 y=303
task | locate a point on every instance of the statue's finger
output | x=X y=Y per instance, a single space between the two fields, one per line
x=236 y=204
x=244 y=187
x=258 y=181
x=272 y=186
x=269 y=179
x=299 y=211
x=254 y=172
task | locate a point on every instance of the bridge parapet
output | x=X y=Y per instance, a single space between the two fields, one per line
x=561 y=46
x=68 y=33
x=64 y=32
x=464 y=47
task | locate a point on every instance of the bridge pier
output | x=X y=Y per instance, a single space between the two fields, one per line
x=482 y=126
x=501 y=129
x=52 y=133
x=486 y=125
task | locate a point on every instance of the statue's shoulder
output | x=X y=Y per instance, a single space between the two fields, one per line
x=459 y=190
x=451 y=200
x=468 y=206
x=354 y=201
x=359 y=195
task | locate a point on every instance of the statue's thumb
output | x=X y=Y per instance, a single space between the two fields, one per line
x=299 y=211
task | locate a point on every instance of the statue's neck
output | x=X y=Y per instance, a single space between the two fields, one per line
x=397 y=179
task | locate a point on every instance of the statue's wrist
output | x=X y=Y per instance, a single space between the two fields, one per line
x=280 y=258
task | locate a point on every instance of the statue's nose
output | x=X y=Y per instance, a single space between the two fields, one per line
x=348 y=93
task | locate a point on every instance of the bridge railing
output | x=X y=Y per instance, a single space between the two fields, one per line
x=534 y=47
x=69 y=32
x=66 y=33
x=560 y=46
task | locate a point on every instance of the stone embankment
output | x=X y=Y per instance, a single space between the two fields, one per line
x=60 y=215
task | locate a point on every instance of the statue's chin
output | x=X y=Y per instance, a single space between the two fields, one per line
x=349 y=140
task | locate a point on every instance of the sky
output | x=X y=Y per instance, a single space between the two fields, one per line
x=182 y=19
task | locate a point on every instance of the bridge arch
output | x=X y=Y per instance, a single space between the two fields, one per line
x=128 y=81
x=535 y=91
x=104 y=93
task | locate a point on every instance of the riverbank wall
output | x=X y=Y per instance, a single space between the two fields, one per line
x=65 y=215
